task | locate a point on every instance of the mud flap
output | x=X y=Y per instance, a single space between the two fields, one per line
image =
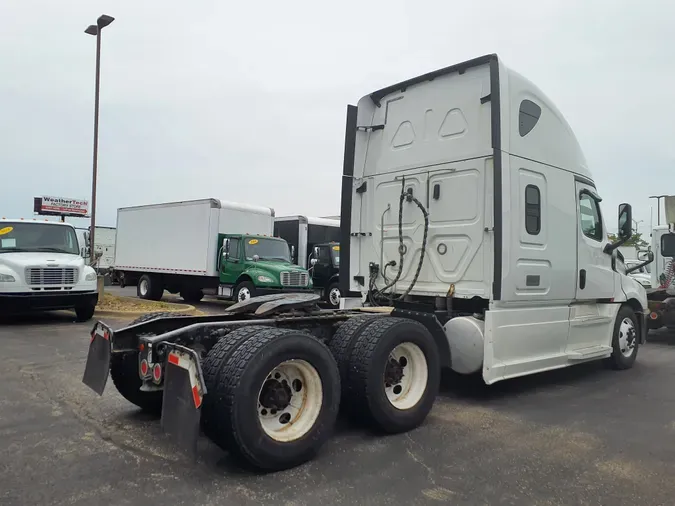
x=184 y=391
x=97 y=368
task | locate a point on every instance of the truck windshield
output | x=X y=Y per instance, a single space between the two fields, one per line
x=267 y=249
x=33 y=237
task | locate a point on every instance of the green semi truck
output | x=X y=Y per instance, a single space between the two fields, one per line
x=203 y=247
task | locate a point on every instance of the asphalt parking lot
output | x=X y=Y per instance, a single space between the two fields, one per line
x=584 y=435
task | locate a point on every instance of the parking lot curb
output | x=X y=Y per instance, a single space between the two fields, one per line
x=182 y=308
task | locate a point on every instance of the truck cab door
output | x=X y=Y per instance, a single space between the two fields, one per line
x=591 y=316
x=595 y=276
x=322 y=270
x=232 y=266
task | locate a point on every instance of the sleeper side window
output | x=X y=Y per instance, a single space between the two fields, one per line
x=532 y=209
x=589 y=214
x=528 y=116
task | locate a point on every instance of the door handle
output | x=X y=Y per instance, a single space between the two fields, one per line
x=582 y=279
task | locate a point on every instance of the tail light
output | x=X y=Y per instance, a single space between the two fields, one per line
x=157 y=373
x=144 y=368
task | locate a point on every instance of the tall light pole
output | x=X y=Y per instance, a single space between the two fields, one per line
x=96 y=30
x=637 y=224
x=658 y=207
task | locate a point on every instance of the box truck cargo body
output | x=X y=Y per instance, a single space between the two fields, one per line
x=180 y=247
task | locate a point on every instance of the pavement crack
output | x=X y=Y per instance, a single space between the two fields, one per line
x=419 y=461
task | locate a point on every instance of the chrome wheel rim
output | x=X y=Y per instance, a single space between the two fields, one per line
x=627 y=337
x=334 y=297
x=406 y=376
x=290 y=400
x=144 y=287
x=244 y=294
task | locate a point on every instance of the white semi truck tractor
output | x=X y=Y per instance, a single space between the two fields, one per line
x=472 y=238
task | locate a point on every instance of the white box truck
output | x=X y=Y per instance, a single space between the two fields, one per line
x=104 y=247
x=203 y=246
x=41 y=268
x=470 y=185
x=104 y=244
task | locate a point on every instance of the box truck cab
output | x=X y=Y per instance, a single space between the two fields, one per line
x=661 y=294
x=254 y=265
x=325 y=271
x=470 y=188
x=312 y=242
x=41 y=268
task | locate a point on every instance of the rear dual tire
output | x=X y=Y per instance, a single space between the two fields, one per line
x=274 y=397
x=390 y=371
x=192 y=295
x=149 y=287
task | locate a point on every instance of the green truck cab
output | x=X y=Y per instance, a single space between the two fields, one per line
x=252 y=265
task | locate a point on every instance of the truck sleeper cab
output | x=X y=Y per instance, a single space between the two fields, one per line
x=470 y=188
x=472 y=237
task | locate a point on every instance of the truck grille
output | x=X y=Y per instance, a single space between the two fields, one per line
x=51 y=276
x=294 y=279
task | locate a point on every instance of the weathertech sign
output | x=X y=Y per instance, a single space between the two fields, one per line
x=60 y=206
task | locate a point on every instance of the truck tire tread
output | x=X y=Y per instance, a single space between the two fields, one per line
x=254 y=447
x=617 y=360
x=342 y=343
x=365 y=390
x=228 y=342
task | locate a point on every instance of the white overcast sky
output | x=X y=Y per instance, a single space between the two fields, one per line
x=246 y=101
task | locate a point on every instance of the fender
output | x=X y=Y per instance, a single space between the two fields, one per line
x=252 y=274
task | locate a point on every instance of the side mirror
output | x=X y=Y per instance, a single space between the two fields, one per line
x=292 y=253
x=650 y=259
x=226 y=248
x=625 y=231
x=256 y=258
x=625 y=221
x=313 y=261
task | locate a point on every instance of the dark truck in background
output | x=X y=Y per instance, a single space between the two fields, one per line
x=315 y=246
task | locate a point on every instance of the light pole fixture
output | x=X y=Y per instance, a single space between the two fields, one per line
x=658 y=207
x=103 y=21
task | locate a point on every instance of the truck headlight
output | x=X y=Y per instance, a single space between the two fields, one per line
x=265 y=279
x=90 y=277
x=6 y=278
